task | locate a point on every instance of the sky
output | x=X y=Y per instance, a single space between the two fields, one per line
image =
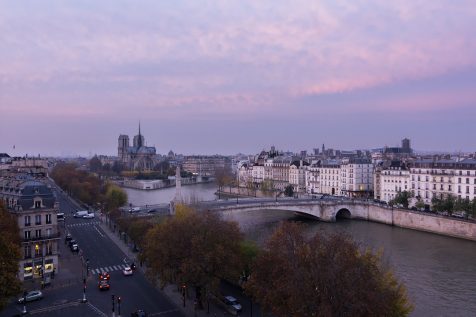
x=206 y=77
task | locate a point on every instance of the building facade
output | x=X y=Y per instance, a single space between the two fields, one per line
x=35 y=207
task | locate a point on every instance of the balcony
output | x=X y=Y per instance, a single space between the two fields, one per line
x=43 y=237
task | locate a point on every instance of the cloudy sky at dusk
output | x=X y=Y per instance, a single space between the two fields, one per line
x=236 y=76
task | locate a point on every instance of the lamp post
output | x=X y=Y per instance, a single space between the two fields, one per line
x=119 y=306
x=84 y=300
x=24 y=311
x=113 y=313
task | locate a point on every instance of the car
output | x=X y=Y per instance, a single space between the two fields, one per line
x=233 y=303
x=31 y=296
x=71 y=242
x=68 y=237
x=139 y=313
x=104 y=276
x=80 y=213
x=103 y=285
x=74 y=247
x=89 y=216
x=127 y=271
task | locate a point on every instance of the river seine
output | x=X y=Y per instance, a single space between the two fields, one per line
x=439 y=272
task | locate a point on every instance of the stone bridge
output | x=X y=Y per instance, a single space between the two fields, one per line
x=331 y=208
x=324 y=210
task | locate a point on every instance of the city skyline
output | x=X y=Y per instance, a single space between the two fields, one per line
x=224 y=78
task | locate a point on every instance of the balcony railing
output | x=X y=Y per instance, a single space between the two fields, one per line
x=43 y=237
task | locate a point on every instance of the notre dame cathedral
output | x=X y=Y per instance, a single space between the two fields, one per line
x=138 y=156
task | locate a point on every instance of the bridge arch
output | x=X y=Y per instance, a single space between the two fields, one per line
x=343 y=213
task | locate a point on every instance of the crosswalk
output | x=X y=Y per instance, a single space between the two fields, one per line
x=90 y=223
x=109 y=269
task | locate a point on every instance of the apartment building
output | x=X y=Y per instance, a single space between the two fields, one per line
x=330 y=177
x=312 y=179
x=203 y=165
x=394 y=177
x=356 y=177
x=35 y=207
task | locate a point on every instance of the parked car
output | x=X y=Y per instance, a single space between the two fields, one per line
x=127 y=271
x=103 y=285
x=71 y=242
x=74 y=247
x=31 y=296
x=89 y=216
x=68 y=237
x=232 y=303
x=139 y=313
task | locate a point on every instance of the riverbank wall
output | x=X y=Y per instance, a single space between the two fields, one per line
x=408 y=219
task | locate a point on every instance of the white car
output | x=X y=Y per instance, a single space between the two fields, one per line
x=127 y=271
x=31 y=296
x=88 y=216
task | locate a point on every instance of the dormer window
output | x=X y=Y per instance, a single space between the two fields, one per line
x=37 y=204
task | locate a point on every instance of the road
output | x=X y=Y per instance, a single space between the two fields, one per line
x=103 y=255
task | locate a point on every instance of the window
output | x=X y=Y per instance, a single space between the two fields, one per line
x=27 y=251
x=467 y=189
x=27 y=221
x=37 y=204
x=459 y=190
x=48 y=232
x=27 y=234
x=48 y=218
x=49 y=248
x=449 y=187
x=459 y=180
x=38 y=233
x=441 y=187
x=38 y=250
x=468 y=173
x=467 y=180
x=38 y=220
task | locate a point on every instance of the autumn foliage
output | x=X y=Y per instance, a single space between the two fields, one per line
x=9 y=256
x=195 y=249
x=323 y=276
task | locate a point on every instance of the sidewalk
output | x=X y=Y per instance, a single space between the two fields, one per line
x=171 y=291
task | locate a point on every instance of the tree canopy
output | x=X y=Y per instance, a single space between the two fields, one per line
x=323 y=276
x=9 y=256
x=402 y=198
x=195 y=249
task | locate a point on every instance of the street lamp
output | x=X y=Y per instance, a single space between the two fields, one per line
x=24 y=311
x=84 y=300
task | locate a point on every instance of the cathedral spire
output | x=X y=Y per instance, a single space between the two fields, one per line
x=140 y=138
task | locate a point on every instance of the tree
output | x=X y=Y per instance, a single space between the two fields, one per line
x=323 y=276
x=195 y=249
x=403 y=198
x=9 y=256
x=114 y=197
x=223 y=177
x=289 y=191
x=420 y=204
x=267 y=187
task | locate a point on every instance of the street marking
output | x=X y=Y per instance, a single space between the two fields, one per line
x=52 y=308
x=96 y=310
x=164 y=312
x=100 y=233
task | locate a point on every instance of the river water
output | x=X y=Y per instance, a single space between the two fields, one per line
x=439 y=272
